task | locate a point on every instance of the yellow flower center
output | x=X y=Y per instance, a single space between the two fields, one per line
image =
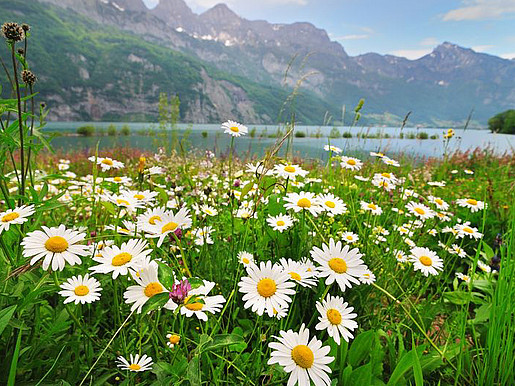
x=439 y=201
x=121 y=259
x=330 y=204
x=351 y=162
x=234 y=129
x=426 y=260
x=349 y=237
x=304 y=203
x=245 y=260
x=174 y=339
x=81 y=290
x=420 y=211
x=122 y=202
x=107 y=162
x=152 y=289
x=197 y=306
x=289 y=169
x=468 y=230
x=56 y=244
x=334 y=316
x=372 y=206
x=280 y=223
x=338 y=265
x=134 y=367
x=266 y=287
x=303 y=356
x=10 y=217
x=386 y=175
x=171 y=226
x=117 y=179
x=295 y=276
x=152 y=220
x=139 y=196
x=471 y=201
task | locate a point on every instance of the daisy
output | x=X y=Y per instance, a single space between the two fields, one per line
x=57 y=245
x=169 y=223
x=203 y=236
x=336 y=318
x=136 y=363
x=468 y=171
x=472 y=204
x=333 y=149
x=303 y=201
x=382 y=183
x=147 y=285
x=151 y=217
x=209 y=210
x=80 y=289
x=467 y=230
x=484 y=267
x=245 y=213
x=267 y=287
x=391 y=162
x=371 y=207
x=440 y=204
x=234 y=128
x=173 y=339
x=305 y=360
x=119 y=180
x=350 y=237
x=147 y=197
x=426 y=261
x=339 y=264
x=361 y=178
x=280 y=223
x=245 y=258
x=15 y=216
x=299 y=272
x=420 y=210
x=440 y=184
x=124 y=201
x=289 y=171
x=400 y=256
x=118 y=260
x=106 y=163
x=388 y=177
x=457 y=250
x=201 y=302
x=368 y=277
x=350 y=163
x=258 y=169
x=379 y=155
x=465 y=278
x=333 y=205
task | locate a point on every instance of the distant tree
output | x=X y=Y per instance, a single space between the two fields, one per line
x=111 y=130
x=125 y=130
x=86 y=131
x=503 y=122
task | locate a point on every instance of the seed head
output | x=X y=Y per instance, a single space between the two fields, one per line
x=13 y=32
x=28 y=77
x=25 y=27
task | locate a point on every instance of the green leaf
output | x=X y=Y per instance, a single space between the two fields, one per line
x=165 y=274
x=108 y=206
x=246 y=189
x=360 y=347
x=155 y=302
x=163 y=196
x=362 y=375
x=5 y=316
x=417 y=369
x=483 y=313
x=489 y=252
x=224 y=340
x=14 y=361
x=461 y=297
x=194 y=371
x=195 y=282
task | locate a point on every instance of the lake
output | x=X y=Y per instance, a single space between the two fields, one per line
x=310 y=147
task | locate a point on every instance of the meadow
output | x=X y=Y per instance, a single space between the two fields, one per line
x=164 y=268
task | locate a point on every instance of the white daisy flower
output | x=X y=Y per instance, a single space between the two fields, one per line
x=147 y=286
x=245 y=258
x=209 y=210
x=331 y=204
x=351 y=163
x=461 y=276
x=336 y=318
x=234 y=128
x=467 y=230
x=303 y=201
x=400 y=256
x=472 y=204
x=368 y=277
x=371 y=207
x=151 y=217
x=426 y=261
x=440 y=184
x=136 y=363
x=290 y=171
x=173 y=339
x=380 y=155
x=391 y=162
x=258 y=169
x=106 y=163
x=468 y=171
x=484 y=267
x=305 y=360
x=440 y=204
x=80 y=289
x=118 y=260
x=212 y=304
x=145 y=196
x=119 y=180
x=15 y=216
x=361 y=178
x=350 y=237
x=280 y=222
x=339 y=264
x=299 y=272
x=457 y=250
x=123 y=201
x=203 y=235
x=57 y=245
x=333 y=149
x=267 y=287
x=420 y=210
x=169 y=223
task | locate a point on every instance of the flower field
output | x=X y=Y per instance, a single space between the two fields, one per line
x=172 y=268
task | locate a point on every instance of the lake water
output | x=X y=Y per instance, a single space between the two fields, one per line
x=307 y=147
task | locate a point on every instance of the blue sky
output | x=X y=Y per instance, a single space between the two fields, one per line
x=409 y=28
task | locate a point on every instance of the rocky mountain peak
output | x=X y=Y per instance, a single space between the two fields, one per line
x=175 y=13
x=220 y=13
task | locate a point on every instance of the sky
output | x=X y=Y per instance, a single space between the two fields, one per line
x=409 y=28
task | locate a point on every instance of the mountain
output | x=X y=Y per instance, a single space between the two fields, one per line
x=231 y=67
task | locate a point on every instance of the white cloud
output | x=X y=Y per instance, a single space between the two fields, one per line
x=351 y=37
x=411 y=54
x=429 y=42
x=481 y=10
x=508 y=55
x=482 y=48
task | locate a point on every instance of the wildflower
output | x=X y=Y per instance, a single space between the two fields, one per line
x=336 y=318
x=467 y=230
x=180 y=291
x=144 y=196
x=289 y=171
x=106 y=163
x=339 y=264
x=258 y=169
x=484 y=267
x=81 y=290
x=351 y=163
x=331 y=204
x=457 y=250
x=371 y=207
x=419 y=210
x=57 y=245
x=361 y=178
x=463 y=277
x=136 y=363
x=203 y=236
x=173 y=339
x=234 y=128
x=147 y=285
x=305 y=360
x=17 y=215
x=209 y=210
x=391 y=162
x=426 y=261
x=400 y=256
x=202 y=303
x=299 y=272
x=350 y=237
x=151 y=217
x=449 y=134
x=266 y=288
x=280 y=222
x=333 y=149
x=379 y=155
x=303 y=201
x=118 y=260
x=368 y=277
x=472 y=204
x=468 y=171
x=169 y=223
x=440 y=184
